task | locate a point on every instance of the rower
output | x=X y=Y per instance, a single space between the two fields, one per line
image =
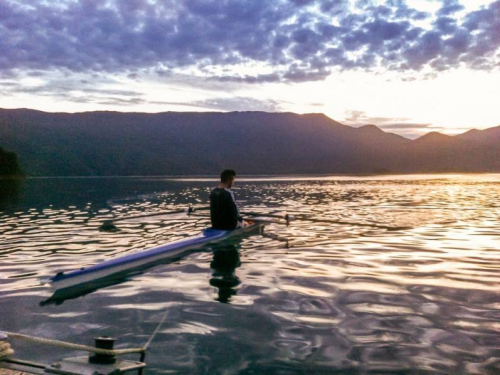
x=224 y=212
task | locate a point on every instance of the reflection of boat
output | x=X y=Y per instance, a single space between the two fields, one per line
x=72 y=292
x=124 y=265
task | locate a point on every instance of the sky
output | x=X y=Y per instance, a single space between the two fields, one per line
x=407 y=66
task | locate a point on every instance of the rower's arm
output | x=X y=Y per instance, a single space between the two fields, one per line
x=237 y=211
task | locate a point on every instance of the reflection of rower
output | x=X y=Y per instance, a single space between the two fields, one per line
x=226 y=260
x=224 y=212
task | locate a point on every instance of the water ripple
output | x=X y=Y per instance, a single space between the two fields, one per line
x=314 y=297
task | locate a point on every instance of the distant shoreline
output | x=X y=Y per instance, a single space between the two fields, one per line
x=261 y=176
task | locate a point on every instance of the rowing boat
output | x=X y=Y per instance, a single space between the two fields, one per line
x=142 y=259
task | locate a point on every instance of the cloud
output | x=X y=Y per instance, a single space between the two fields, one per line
x=399 y=125
x=406 y=126
x=220 y=104
x=450 y=7
x=284 y=40
x=79 y=91
x=103 y=90
x=240 y=104
x=72 y=89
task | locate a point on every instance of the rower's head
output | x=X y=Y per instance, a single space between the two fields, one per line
x=227 y=178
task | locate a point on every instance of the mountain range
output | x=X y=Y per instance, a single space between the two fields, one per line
x=201 y=143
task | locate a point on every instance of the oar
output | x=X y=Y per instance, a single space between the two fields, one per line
x=284 y=216
x=108 y=225
x=288 y=218
x=259 y=220
x=357 y=224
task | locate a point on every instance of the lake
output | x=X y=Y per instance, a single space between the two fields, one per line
x=406 y=281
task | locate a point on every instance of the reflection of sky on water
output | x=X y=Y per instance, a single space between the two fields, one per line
x=342 y=297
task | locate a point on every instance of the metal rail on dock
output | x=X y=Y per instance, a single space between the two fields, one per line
x=103 y=359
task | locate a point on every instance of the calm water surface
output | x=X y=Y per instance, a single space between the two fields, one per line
x=314 y=297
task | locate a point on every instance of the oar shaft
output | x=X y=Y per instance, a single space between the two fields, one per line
x=250 y=214
x=149 y=215
x=259 y=220
x=277 y=216
x=358 y=224
x=184 y=210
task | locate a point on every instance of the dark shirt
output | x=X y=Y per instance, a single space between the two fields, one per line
x=223 y=210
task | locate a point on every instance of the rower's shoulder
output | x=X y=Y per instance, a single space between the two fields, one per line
x=220 y=192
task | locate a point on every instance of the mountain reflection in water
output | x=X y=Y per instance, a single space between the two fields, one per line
x=10 y=190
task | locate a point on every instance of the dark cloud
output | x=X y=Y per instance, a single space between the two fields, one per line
x=450 y=7
x=261 y=78
x=298 y=40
